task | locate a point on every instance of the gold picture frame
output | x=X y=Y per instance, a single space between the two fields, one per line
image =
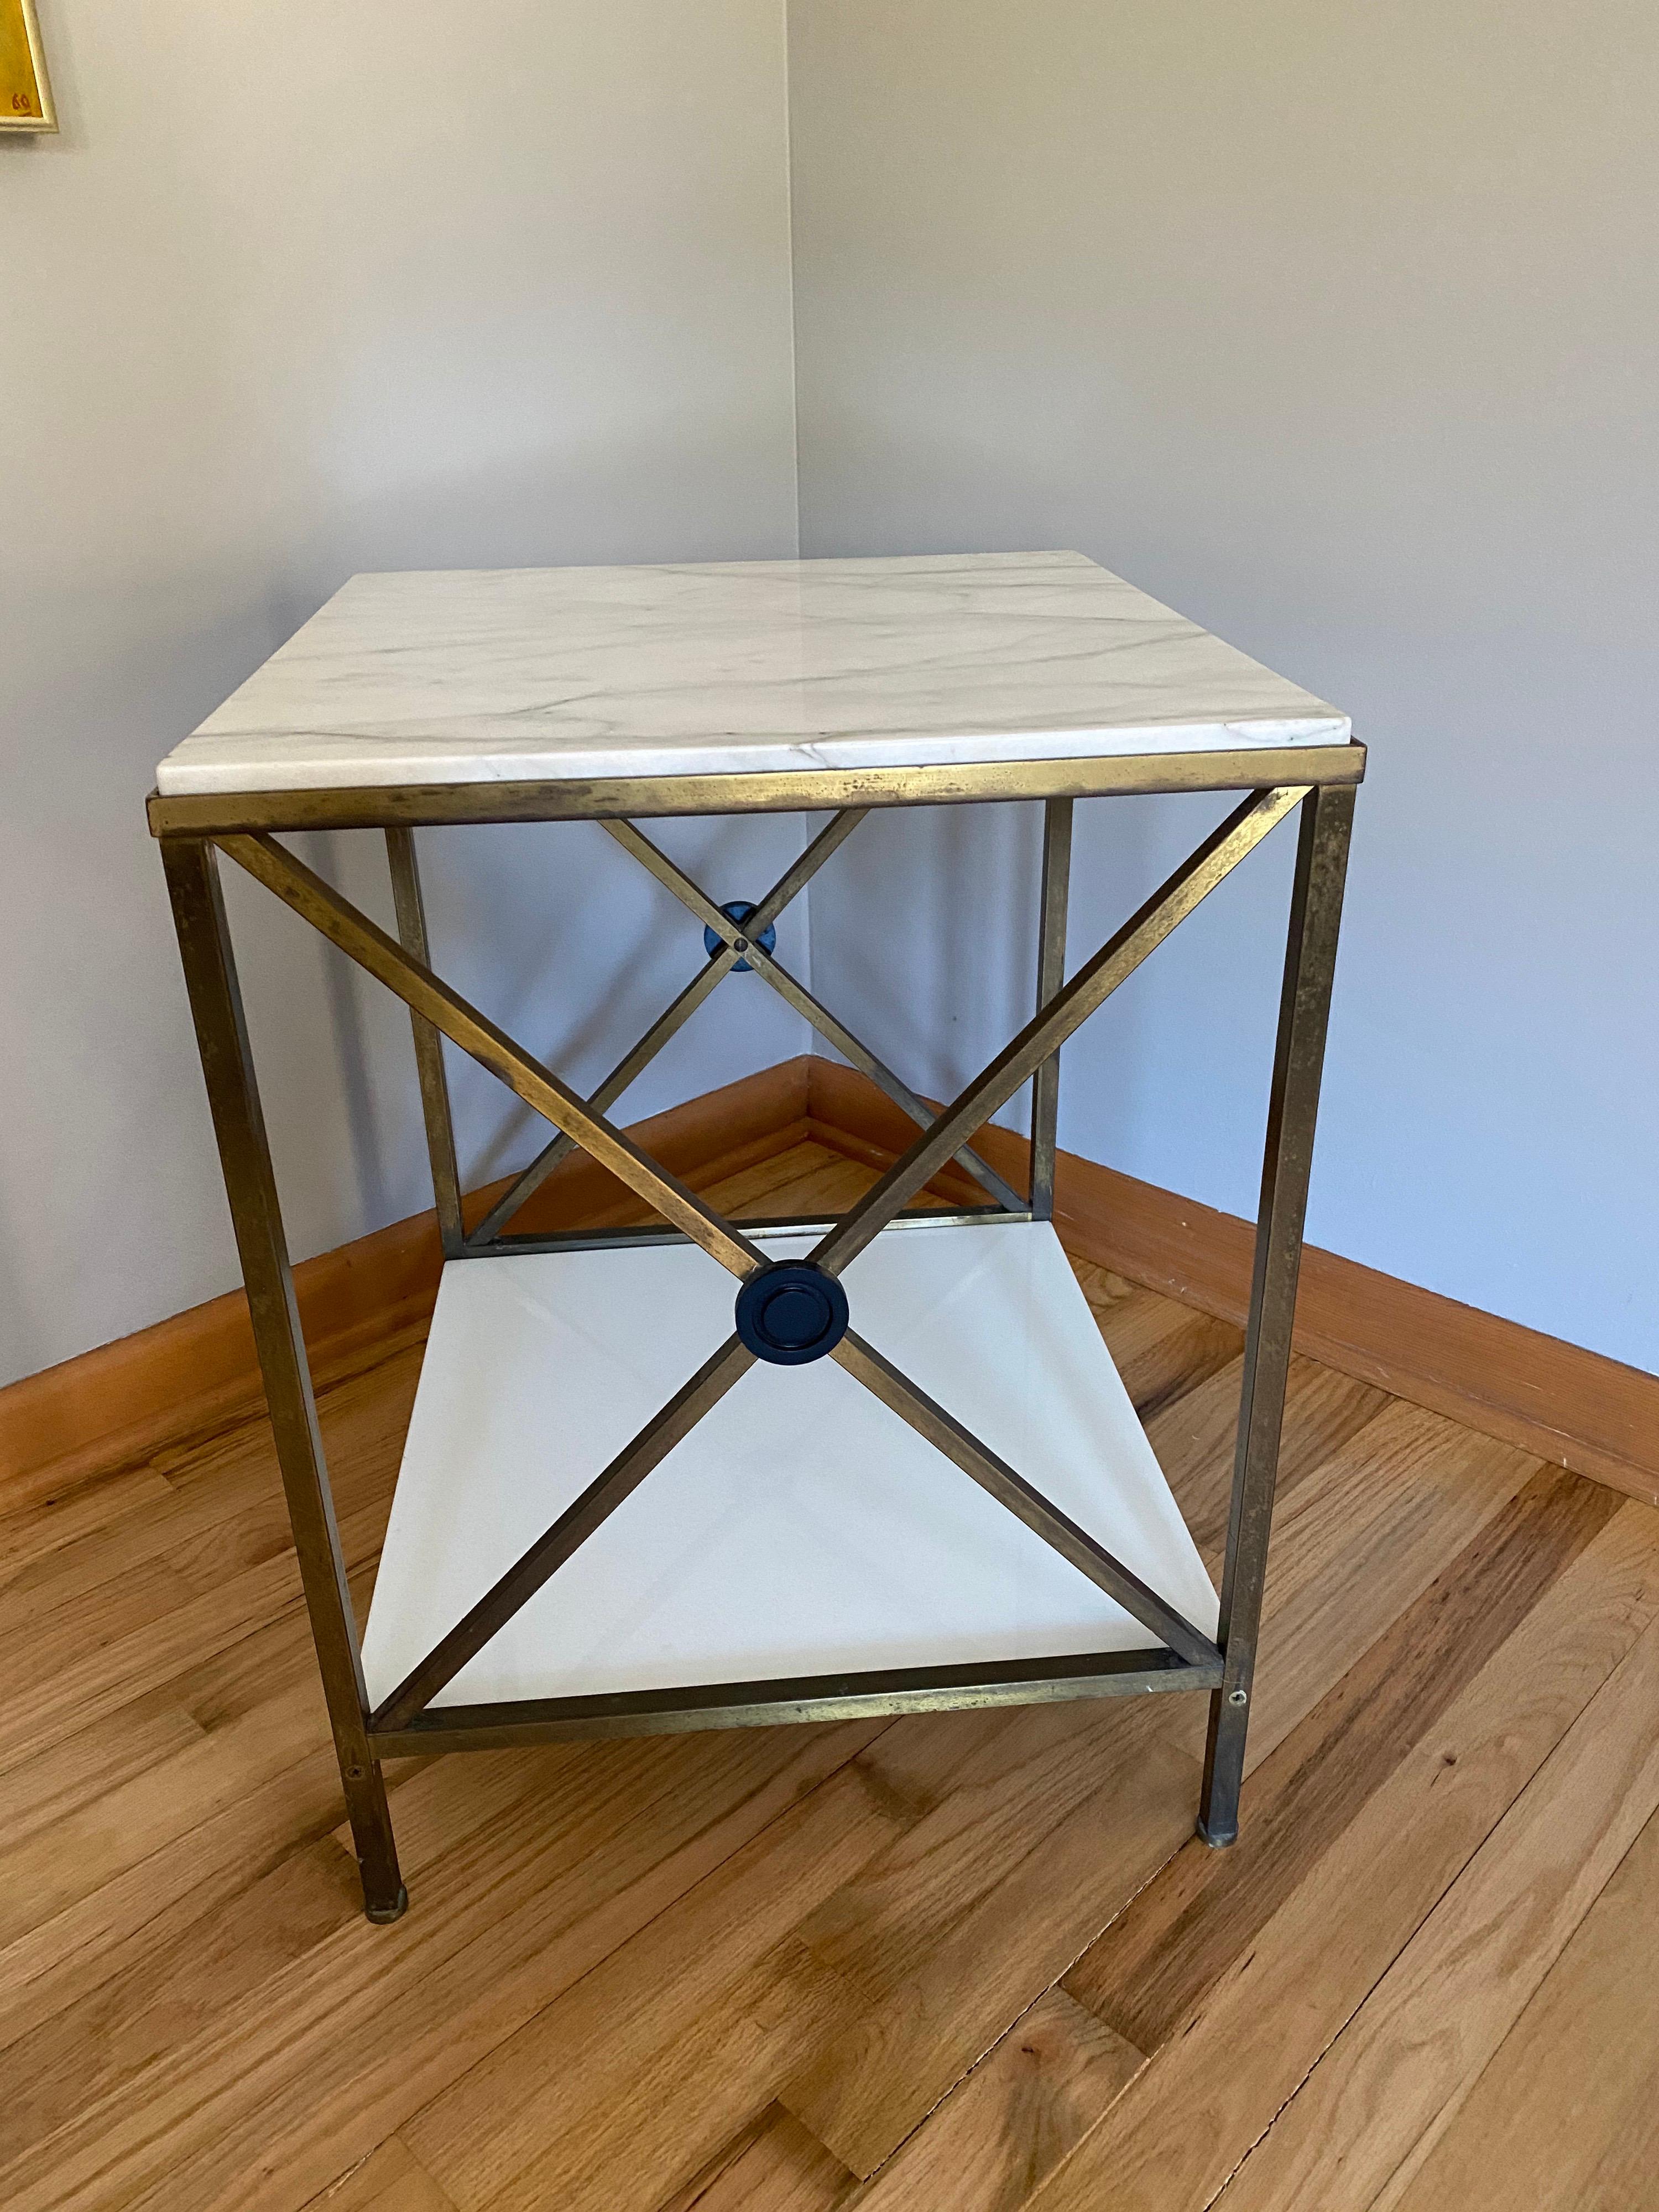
x=25 y=87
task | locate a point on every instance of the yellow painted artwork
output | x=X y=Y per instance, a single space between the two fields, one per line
x=24 y=92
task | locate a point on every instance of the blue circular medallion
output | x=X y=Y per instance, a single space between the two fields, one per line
x=791 y=1312
x=739 y=911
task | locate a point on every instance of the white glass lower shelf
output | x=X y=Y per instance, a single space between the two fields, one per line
x=801 y=1528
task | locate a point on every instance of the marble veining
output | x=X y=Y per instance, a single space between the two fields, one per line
x=527 y=675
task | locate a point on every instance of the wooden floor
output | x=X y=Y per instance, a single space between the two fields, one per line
x=963 y=1963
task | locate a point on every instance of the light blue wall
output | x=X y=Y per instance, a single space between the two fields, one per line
x=300 y=291
x=1333 y=324
x=1337 y=327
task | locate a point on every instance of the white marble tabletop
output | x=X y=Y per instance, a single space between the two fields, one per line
x=532 y=675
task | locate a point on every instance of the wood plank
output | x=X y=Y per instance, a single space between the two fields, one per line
x=1193 y=1438
x=248 y=1702
x=1024 y=2107
x=807 y=1179
x=131 y=1665
x=221 y=1685
x=92 y=1584
x=1015 y=1785
x=773 y=2165
x=73 y=1770
x=1187 y=2121
x=930 y=1756
x=1161 y=1350
x=231 y=1514
x=814 y=1178
x=174 y=2035
x=1351 y=1551
x=389 y=2181
x=922 y=1758
x=1152 y=1966
x=92 y=1940
x=996 y=1785
x=627 y=2083
x=358 y=1405
x=862 y=2091
x=45 y=1632
x=56 y=1867
x=65 y=1513
x=269 y=2101
x=142 y=1913
x=1564 y=2117
x=240 y=1940
x=1373 y=2108
x=86 y=1572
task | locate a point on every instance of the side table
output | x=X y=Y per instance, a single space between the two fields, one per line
x=898 y=1472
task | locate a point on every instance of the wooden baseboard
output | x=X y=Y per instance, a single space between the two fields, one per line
x=124 y=1400
x=188 y=1375
x=1570 y=1407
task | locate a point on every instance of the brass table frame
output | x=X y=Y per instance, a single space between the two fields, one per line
x=1317 y=781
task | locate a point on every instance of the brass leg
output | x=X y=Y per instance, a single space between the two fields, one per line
x=227 y=1065
x=429 y=1047
x=1051 y=974
x=1304 y=1009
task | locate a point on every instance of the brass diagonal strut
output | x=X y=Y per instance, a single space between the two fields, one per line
x=794 y=994
x=571 y=1530
x=672 y=1019
x=365 y=943
x=1117 y=959
x=994 y=1476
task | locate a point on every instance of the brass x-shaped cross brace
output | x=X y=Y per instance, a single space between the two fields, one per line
x=741 y=941
x=672 y=1019
x=428 y=996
